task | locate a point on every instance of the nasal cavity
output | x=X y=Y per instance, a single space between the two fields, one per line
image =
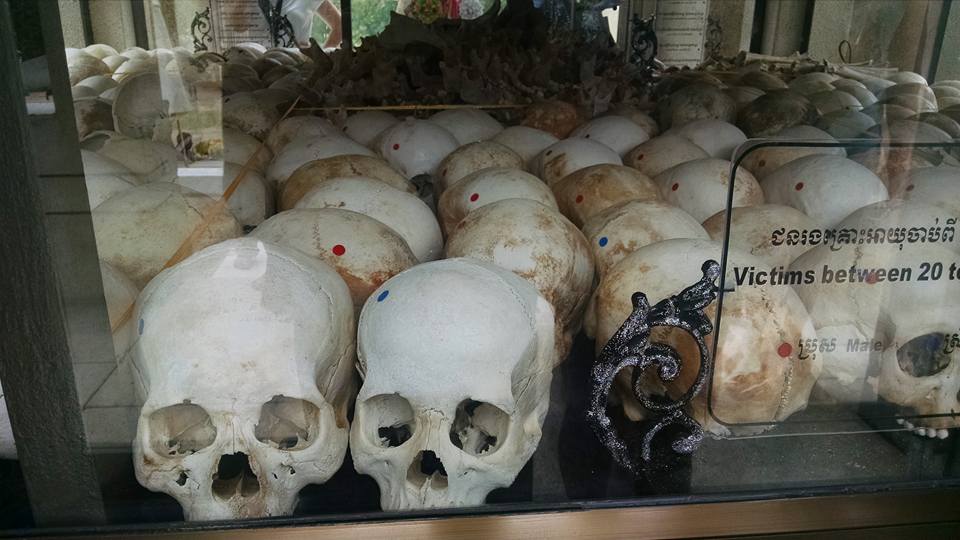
x=235 y=477
x=427 y=466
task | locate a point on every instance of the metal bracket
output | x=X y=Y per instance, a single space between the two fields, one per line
x=200 y=30
x=630 y=346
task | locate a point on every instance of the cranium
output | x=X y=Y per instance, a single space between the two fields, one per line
x=753 y=228
x=471 y=158
x=591 y=190
x=416 y=147
x=301 y=151
x=243 y=358
x=538 y=244
x=467 y=125
x=430 y=436
x=314 y=173
x=365 y=127
x=700 y=187
x=569 y=156
x=616 y=132
x=660 y=153
x=526 y=141
x=489 y=186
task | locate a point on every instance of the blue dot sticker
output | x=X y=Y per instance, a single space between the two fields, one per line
x=603 y=241
x=383 y=296
x=140 y=328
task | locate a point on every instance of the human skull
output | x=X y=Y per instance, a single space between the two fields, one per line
x=430 y=436
x=717 y=138
x=638 y=117
x=105 y=177
x=244 y=111
x=700 y=187
x=626 y=227
x=826 y=188
x=416 y=147
x=364 y=251
x=151 y=161
x=467 y=125
x=315 y=172
x=238 y=147
x=538 y=244
x=251 y=202
x=302 y=151
x=526 y=141
x=407 y=215
x=299 y=128
x=489 y=186
x=593 y=189
x=140 y=229
x=660 y=153
x=557 y=118
x=616 y=132
x=758 y=375
x=569 y=156
x=244 y=360
x=365 y=127
x=474 y=157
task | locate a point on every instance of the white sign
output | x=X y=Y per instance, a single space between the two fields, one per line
x=681 y=27
x=239 y=21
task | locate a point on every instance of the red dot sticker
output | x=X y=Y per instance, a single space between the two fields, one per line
x=674 y=187
x=784 y=350
x=640 y=157
x=799 y=186
x=579 y=199
x=339 y=250
x=396 y=146
x=474 y=197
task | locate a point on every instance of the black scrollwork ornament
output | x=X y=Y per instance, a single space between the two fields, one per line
x=643 y=43
x=630 y=346
x=714 y=37
x=200 y=30
x=281 y=31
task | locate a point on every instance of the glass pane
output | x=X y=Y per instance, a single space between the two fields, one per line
x=400 y=278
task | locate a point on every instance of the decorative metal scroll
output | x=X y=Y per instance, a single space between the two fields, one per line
x=281 y=31
x=643 y=43
x=714 y=37
x=200 y=30
x=630 y=346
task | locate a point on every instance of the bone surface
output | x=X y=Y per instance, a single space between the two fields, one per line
x=245 y=354
x=429 y=435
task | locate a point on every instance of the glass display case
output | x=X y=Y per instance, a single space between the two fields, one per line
x=658 y=268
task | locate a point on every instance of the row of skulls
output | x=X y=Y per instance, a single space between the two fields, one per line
x=245 y=350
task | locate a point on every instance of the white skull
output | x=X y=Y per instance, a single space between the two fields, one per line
x=860 y=310
x=243 y=356
x=538 y=244
x=244 y=111
x=826 y=188
x=138 y=230
x=471 y=158
x=763 y=161
x=717 y=138
x=591 y=190
x=251 y=202
x=757 y=373
x=299 y=128
x=626 y=227
x=570 y=155
x=938 y=186
x=616 y=132
x=467 y=125
x=700 y=187
x=302 y=151
x=407 y=215
x=318 y=171
x=364 y=251
x=416 y=147
x=753 y=230
x=238 y=147
x=489 y=186
x=526 y=141
x=151 y=161
x=365 y=127
x=638 y=117
x=430 y=436
x=663 y=152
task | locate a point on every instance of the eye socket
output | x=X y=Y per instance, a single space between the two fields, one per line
x=391 y=420
x=287 y=423
x=180 y=430
x=479 y=428
x=925 y=355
